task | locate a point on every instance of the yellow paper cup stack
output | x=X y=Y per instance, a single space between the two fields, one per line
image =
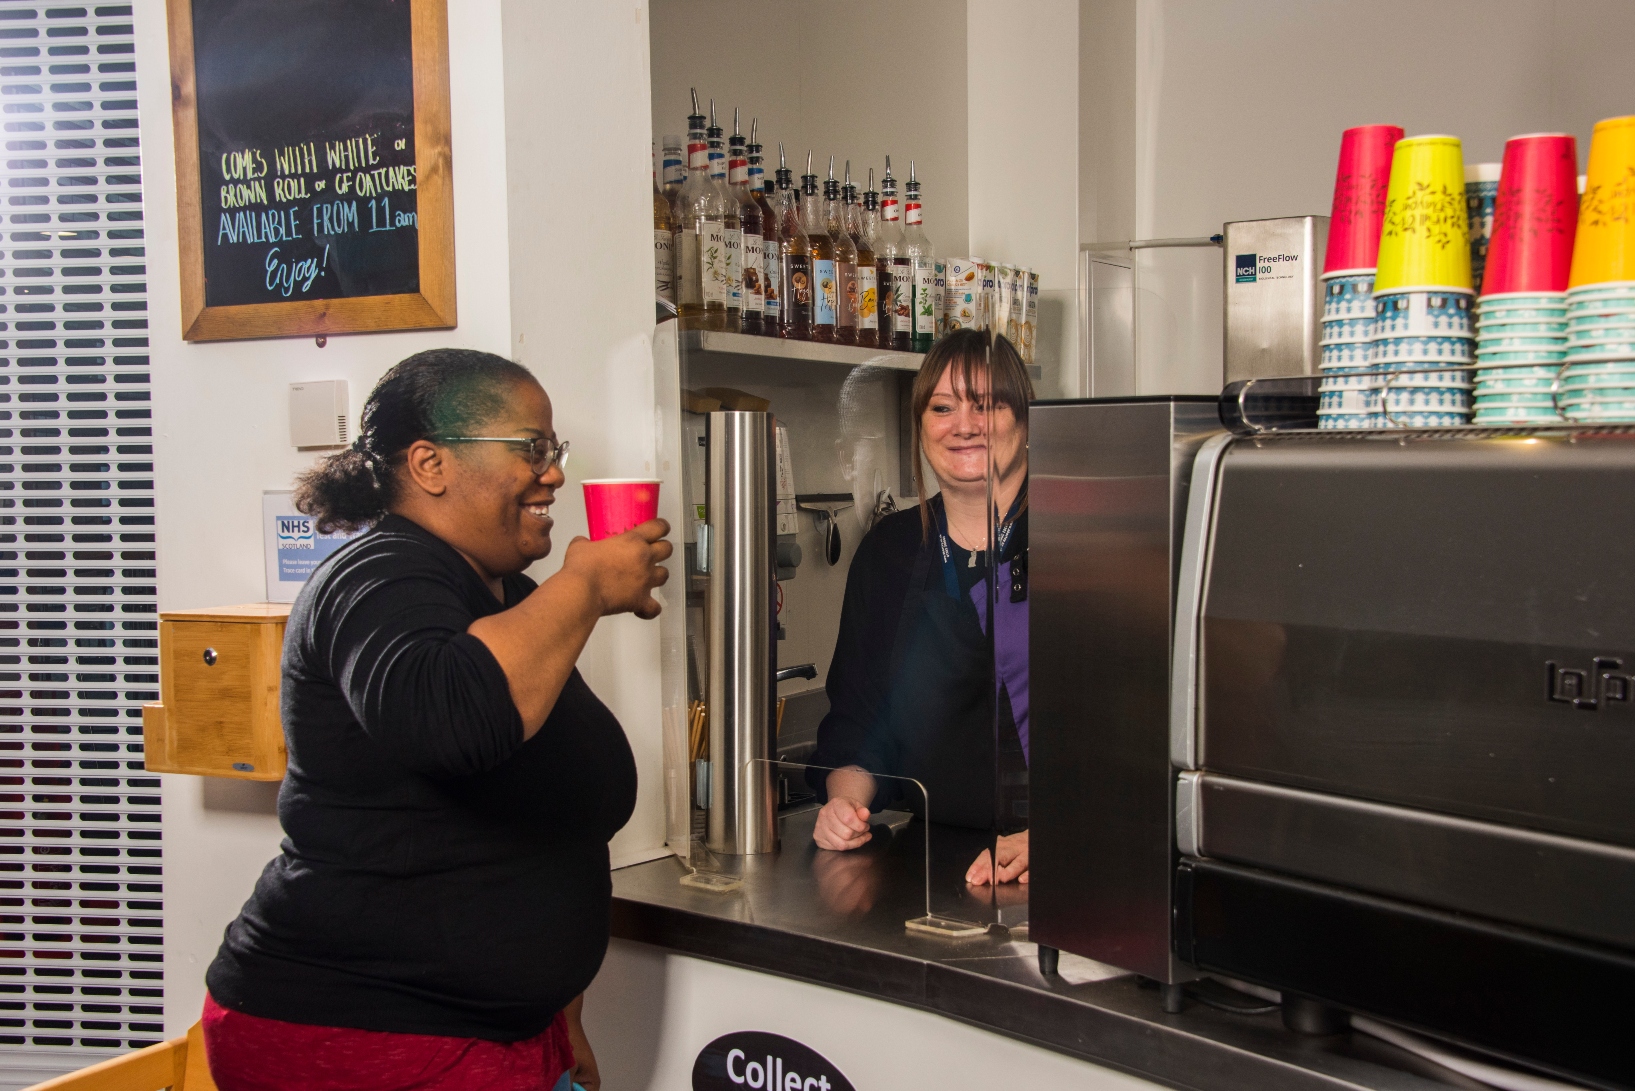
x=1422 y=291
x=1604 y=251
x=1425 y=240
x=1597 y=384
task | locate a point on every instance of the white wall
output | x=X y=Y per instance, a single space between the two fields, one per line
x=1022 y=147
x=1239 y=104
x=535 y=243
x=579 y=183
x=1107 y=89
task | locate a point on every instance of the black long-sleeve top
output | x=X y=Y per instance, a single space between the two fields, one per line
x=918 y=703
x=439 y=875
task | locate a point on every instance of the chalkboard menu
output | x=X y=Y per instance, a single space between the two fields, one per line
x=315 y=195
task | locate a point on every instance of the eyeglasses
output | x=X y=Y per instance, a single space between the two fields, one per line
x=541 y=453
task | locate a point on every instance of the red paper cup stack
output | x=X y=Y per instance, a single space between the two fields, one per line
x=1521 y=331
x=1360 y=183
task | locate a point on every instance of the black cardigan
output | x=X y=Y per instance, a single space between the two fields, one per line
x=439 y=874
x=860 y=671
x=953 y=757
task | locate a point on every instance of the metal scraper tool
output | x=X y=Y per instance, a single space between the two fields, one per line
x=825 y=505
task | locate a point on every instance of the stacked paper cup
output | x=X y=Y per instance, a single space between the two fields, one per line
x=1481 y=198
x=1422 y=290
x=1347 y=397
x=1521 y=318
x=1598 y=382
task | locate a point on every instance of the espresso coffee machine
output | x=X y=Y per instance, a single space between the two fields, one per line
x=1347 y=717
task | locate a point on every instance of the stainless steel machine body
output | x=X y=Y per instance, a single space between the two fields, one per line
x=1274 y=296
x=1398 y=705
x=739 y=616
x=1107 y=489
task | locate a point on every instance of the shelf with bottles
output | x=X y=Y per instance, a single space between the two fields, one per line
x=788 y=262
x=801 y=264
x=777 y=348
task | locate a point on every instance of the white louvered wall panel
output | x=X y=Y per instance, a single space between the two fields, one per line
x=81 y=970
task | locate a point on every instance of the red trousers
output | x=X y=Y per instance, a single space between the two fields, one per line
x=249 y=1053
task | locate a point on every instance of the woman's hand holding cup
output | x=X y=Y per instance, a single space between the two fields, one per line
x=623 y=570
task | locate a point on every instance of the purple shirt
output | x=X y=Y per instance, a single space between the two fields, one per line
x=1010 y=646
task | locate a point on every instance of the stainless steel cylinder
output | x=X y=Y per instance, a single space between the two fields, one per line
x=740 y=694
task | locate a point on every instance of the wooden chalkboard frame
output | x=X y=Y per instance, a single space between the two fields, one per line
x=432 y=307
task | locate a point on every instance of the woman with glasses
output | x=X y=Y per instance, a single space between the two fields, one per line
x=442 y=897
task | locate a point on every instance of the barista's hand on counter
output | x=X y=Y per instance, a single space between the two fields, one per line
x=623 y=570
x=1013 y=862
x=584 y=1071
x=843 y=823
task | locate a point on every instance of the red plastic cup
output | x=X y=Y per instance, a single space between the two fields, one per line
x=615 y=504
x=1360 y=183
x=1535 y=216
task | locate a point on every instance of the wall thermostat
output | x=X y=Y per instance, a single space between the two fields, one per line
x=318 y=414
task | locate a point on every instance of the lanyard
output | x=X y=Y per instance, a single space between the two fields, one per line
x=950 y=577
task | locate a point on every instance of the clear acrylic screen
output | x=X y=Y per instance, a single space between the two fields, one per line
x=904 y=667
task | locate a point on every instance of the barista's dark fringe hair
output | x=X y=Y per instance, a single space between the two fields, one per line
x=439 y=392
x=974 y=356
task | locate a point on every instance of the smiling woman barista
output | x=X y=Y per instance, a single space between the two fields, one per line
x=913 y=683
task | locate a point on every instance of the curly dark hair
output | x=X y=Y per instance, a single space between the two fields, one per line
x=438 y=392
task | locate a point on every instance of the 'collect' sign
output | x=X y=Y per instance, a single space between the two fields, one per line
x=758 y=1061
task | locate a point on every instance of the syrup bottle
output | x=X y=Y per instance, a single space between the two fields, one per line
x=867 y=226
x=664 y=241
x=675 y=170
x=922 y=258
x=895 y=273
x=816 y=228
x=701 y=277
x=795 y=257
x=834 y=215
x=732 y=231
x=751 y=296
x=771 y=267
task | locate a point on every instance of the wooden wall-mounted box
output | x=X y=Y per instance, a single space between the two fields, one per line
x=219 y=673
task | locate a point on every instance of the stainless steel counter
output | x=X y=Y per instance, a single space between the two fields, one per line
x=837 y=919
